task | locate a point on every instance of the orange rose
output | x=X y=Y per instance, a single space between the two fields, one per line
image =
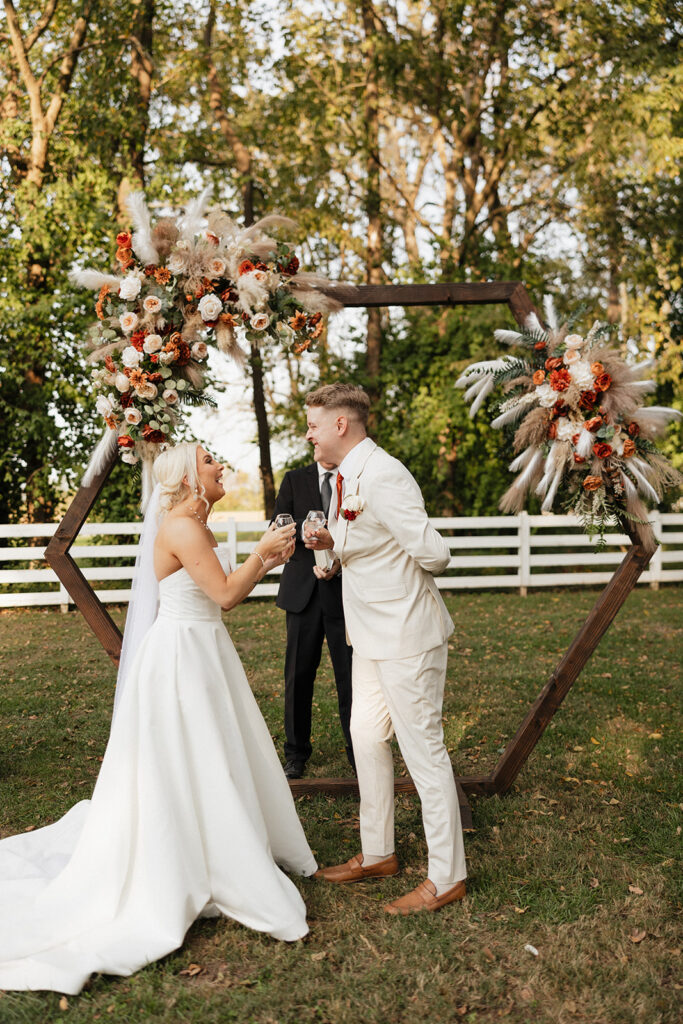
x=125 y=441
x=246 y=267
x=539 y=346
x=602 y=382
x=578 y=459
x=560 y=380
x=593 y=424
x=124 y=254
x=602 y=450
x=99 y=305
x=597 y=368
x=124 y=240
x=587 y=399
x=553 y=364
x=592 y=483
x=633 y=429
x=552 y=430
x=629 y=448
x=538 y=377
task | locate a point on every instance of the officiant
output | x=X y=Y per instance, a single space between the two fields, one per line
x=314 y=613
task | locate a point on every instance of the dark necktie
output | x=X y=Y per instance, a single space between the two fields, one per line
x=326 y=493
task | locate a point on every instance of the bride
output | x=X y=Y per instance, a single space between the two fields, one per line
x=191 y=812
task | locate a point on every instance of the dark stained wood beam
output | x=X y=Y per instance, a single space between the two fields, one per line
x=349 y=787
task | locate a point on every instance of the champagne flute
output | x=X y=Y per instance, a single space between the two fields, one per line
x=316 y=519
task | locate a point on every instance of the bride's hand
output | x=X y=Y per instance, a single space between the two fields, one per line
x=281 y=558
x=275 y=542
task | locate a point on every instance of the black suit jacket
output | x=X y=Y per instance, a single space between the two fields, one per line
x=299 y=494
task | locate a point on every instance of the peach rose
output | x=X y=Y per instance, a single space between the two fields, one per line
x=538 y=377
x=592 y=483
x=152 y=304
x=597 y=368
x=629 y=448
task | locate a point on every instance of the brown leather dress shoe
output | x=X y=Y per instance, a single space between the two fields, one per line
x=353 y=870
x=424 y=898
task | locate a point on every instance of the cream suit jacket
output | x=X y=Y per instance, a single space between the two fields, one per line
x=392 y=605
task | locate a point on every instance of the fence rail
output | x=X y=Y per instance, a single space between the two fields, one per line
x=487 y=552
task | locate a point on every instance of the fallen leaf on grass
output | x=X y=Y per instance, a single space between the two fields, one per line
x=461 y=1010
x=521 y=910
x=594 y=883
x=526 y=994
x=655 y=736
x=319 y=956
x=637 y=935
x=635 y=890
x=596 y=742
x=63 y=1003
x=192 y=970
x=488 y=954
x=530 y=949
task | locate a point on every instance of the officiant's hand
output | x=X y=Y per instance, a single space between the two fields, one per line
x=319 y=540
x=327 y=574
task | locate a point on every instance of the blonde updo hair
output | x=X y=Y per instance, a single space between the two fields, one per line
x=172 y=469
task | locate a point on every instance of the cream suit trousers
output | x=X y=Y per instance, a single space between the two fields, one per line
x=405 y=697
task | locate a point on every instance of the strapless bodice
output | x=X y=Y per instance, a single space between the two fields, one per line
x=181 y=598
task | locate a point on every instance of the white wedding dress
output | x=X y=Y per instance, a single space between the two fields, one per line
x=191 y=814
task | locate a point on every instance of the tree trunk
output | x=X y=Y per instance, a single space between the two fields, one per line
x=243 y=163
x=373 y=204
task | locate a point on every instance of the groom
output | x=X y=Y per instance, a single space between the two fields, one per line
x=398 y=627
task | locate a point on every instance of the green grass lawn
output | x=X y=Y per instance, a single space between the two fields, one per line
x=579 y=860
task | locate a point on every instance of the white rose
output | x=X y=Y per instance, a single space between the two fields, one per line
x=176 y=264
x=581 y=375
x=130 y=357
x=132 y=415
x=183 y=245
x=566 y=428
x=129 y=322
x=217 y=267
x=129 y=457
x=199 y=350
x=571 y=356
x=130 y=287
x=121 y=383
x=210 y=306
x=170 y=396
x=152 y=343
x=546 y=396
x=105 y=405
x=152 y=304
x=166 y=357
x=259 y=321
x=147 y=390
x=574 y=341
x=353 y=503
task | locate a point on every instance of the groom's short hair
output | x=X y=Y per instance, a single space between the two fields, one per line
x=341 y=396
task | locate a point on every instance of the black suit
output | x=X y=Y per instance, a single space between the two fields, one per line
x=314 y=612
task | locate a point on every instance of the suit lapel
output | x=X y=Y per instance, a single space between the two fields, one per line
x=352 y=487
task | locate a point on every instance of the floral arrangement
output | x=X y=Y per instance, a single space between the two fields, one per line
x=575 y=413
x=351 y=508
x=183 y=285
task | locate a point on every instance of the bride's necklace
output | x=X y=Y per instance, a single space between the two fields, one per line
x=200 y=520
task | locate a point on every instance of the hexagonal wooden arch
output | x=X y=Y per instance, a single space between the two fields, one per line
x=498 y=781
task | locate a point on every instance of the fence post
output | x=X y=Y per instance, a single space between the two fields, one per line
x=232 y=543
x=656 y=563
x=524 y=541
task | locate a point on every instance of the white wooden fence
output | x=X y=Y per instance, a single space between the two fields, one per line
x=488 y=552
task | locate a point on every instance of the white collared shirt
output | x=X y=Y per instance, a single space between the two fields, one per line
x=349 y=466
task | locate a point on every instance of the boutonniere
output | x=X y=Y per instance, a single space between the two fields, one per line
x=351 y=508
